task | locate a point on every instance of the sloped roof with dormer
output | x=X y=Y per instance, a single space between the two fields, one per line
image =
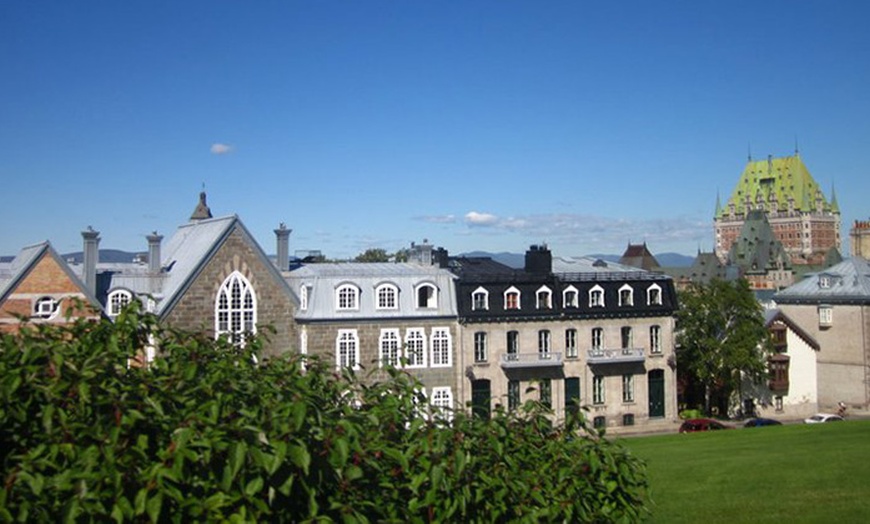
x=757 y=248
x=777 y=180
x=323 y=279
x=776 y=315
x=14 y=272
x=845 y=283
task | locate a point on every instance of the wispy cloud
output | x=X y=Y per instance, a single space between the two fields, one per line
x=438 y=219
x=220 y=149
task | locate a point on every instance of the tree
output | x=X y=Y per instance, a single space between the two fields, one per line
x=373 y=255
x=720 y=338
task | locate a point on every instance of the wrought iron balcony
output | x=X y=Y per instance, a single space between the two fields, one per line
x=531 y=360
x=615 y=356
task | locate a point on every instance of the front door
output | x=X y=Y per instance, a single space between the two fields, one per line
x=656 y=381
x=480 y=398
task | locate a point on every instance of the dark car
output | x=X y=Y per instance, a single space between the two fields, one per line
x=702 y=424
x=758 y=422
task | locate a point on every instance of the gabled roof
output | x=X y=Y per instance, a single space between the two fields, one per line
x=17 y=270
x=846 y=282
x=774 y=315
x=777 y=180
x=638 y=255
x=757 y=248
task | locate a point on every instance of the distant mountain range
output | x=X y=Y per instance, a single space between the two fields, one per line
x=518 y=260
x=106 y=255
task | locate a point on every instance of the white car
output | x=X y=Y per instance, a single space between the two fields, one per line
x=818 y=418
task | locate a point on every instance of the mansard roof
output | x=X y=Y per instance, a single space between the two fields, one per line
x=323 y=279
x=777 y=180
x=845 y=283
x=638 y=255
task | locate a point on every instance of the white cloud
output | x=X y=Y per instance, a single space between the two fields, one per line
x=220 y=149
x=473 y=218
x=438 y=219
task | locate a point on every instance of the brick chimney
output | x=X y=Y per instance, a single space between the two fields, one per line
x=154 y=240
x=283 y=236
x=91 y=255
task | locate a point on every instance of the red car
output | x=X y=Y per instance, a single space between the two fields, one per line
x=702 y=424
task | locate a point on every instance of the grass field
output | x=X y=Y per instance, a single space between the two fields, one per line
x=796 y=473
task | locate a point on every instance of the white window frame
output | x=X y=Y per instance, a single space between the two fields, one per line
x=432 y=299
x=599 y=395
x=303 y=297
x=46 y=308
x=234 y=316
x=441 y=345
x=568 y=303
x=512 y=291
x=481 y=349
x=387 y=297
x=596 y=296
x=626 y=295
x=544 y=298
x=390 y=348
x=826 y=315
x=415 y=348
x=655 y=339
x=441 y=401
x=116 y=301
x=570 y=343
x=654 y=295
x=347 y=349
x=597 y=339
x=545 y=343
x=483 y=292
x=626 y=337
x=627 y=388
x=347 y=297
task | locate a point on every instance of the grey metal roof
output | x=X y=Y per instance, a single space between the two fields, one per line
x=323 y=279
x=849 y=281
x=579 y=268
x=12 y=272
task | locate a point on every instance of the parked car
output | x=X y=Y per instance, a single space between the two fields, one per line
x=702 y=424
x=758 y=422
x=818 y=418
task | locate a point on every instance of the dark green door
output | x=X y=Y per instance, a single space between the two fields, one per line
x=572 y=395
x=656 y=381
x=480 y=398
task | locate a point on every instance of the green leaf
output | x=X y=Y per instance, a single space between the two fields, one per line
x=254 y=486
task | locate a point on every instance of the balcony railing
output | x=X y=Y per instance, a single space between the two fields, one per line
x=531 y=360
x=615 y=356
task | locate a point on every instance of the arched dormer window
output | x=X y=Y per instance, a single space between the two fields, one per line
x=654 y=295
x=479 y=299
x=303 y=297
x=387 y=297
x=570 y=297
x=347 y=297
x=596 y=296
x=544 y=298
x=236 y=308
x=626 y=295
x=512 y=298
x=427 y=296
x=116 y=301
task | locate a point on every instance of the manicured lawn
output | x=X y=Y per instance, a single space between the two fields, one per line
x=796 y=473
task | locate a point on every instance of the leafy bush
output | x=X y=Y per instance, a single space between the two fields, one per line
x=204 y=433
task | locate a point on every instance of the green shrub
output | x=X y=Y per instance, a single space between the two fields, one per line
x=204 y=433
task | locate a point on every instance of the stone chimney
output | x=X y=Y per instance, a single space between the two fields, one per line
x=539 y=260
x=282 y=234
x=154 y=240
x=91 y=255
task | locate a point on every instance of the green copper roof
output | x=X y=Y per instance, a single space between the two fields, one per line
x=784 y=178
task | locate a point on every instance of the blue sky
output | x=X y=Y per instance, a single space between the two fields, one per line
x=476 y=125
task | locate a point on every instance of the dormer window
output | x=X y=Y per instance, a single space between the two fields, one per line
x=824 y=281
x=512 y=298
x=626 y=296
x=387 y=296
x=117 y=300
x=596 y=296
x=570 y=297
x=544 y=298
x=427 y=296
x=654 y=295
x=347 y=297
x=303 y=298
x=480 y=299
x=46 y=308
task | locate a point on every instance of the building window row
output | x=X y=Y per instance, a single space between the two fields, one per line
x=570 y=297
x=347 y=297
x=415 y=351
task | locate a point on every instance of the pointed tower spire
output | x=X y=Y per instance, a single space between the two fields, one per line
x=718 y=204
x=796 y=148
x=835 y=207
x=202 y=211
x=749 y=151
